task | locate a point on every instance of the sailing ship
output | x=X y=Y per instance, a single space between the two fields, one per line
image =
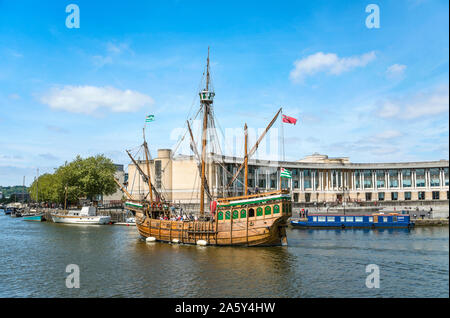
x=258 y=219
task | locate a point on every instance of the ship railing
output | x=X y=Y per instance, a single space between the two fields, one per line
x=252 y=196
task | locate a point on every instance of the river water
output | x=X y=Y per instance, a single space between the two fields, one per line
x=114 y=262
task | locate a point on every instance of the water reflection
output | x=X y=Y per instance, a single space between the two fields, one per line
x=114 y=262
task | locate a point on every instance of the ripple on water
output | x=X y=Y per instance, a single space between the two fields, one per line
x=114 y=262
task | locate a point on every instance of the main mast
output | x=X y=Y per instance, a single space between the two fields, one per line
x=245 y=160
x=149 y=180
x=206 y=100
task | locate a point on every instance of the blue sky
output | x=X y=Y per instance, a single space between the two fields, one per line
x=374 y=95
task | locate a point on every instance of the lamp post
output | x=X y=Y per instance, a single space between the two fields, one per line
x=343 y=196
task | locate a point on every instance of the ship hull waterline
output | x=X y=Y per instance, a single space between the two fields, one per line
x=236 y=225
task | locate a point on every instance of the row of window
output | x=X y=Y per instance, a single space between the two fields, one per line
x=394 y=181
x=242 y=214
x=394 y=196
x=349 y=219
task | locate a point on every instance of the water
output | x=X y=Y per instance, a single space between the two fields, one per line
x=114 y=262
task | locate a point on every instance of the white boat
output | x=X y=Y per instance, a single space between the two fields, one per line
x=128 y=221
x=87 y=215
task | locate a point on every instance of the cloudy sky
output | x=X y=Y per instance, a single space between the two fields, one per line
x=374 y=95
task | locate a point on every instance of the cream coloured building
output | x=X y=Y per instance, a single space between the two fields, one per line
x=316 y=178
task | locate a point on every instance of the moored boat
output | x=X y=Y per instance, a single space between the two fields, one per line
x=87 y=215
x=391 y=220
x=9 y=210
x=34 y=217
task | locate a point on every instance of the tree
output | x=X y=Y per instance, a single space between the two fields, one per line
x=46 y=185
x=80 y=178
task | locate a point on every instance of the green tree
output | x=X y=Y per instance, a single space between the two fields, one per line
x=80 y=178
x=46 y=185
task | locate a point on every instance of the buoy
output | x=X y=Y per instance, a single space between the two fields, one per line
x=175 y=241
x=150 y=239
x=202 y=242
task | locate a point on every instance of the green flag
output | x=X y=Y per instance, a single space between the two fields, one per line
x=150 y=118
x=285 y=173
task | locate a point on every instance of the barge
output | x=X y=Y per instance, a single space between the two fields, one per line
x=391 y=220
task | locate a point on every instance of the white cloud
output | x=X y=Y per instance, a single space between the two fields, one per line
x=88 y=99
x=328 y=62
x=421 y=105
x=117 y=48
x=14 y=96
x=388 y=134
x=100 y=61
x=389 y=109
x=396 y=71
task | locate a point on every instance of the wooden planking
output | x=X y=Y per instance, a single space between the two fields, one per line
x=264 y=231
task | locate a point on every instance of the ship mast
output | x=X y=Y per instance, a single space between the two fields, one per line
x=148 y=168
x=245 y=160
x=254 y=148
x=206 y=100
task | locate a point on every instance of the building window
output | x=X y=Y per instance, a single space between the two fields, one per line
x=394 y=196
x=435 y=195
x=393 y=178
x=273 y=184
x=307 y=197
x=307 y=179
x=262 y=183
x=380 y=179
x=407 y=196
x=421 y=195
x=367 y=179
x=380 y=196
x=357 y=183
x=368 y=196
x=296 y=184
x=295 y=197
x=446 y=176
x=406 y=174
x=434 y=177
x=420 y=177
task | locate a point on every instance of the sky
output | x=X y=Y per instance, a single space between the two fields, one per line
x=376 y=94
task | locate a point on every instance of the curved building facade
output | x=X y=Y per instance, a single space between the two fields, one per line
x=316 y=178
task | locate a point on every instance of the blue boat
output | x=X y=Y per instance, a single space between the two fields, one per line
x=36 y=218
x=391 y=220
x=8 y=211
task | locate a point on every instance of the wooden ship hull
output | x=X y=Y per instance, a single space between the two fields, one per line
x=255 y=220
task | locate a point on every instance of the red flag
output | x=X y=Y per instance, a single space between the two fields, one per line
x=213 y=206
x=289 y=120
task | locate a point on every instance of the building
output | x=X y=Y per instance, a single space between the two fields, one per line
x=316 y=178
x=121 y=176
